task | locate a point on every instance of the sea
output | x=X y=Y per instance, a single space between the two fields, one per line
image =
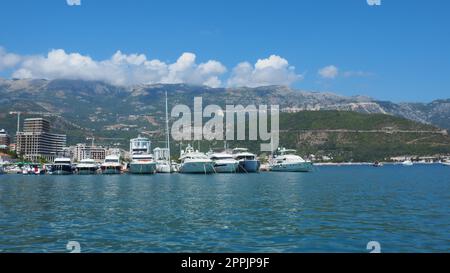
x=332 y=209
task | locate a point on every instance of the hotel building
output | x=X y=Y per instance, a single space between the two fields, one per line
x=36 y=141
x=4 y=139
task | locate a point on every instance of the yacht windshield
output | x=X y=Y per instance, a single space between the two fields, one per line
x=111 y=161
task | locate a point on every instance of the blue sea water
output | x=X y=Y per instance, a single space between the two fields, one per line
x=333 y=209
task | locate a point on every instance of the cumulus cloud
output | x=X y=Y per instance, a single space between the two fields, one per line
x=73 y=2
x=8 y=60
x=274 y=70
x=121 y=69
x=329 y=72
x=130 y=69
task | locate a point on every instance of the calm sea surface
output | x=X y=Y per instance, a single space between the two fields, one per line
x=334 y=209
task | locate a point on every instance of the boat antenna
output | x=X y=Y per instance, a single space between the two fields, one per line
x=167 y=129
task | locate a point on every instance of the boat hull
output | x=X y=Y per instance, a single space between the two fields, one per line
x=87 y=171
x=142 y=168
x=292 y=167
x=249 y=166
x=111 y=170
x=197 y=168
x=62 y=170
x=163 y=168
x=226 y=167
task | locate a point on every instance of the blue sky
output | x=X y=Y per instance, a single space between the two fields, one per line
x=398 y=51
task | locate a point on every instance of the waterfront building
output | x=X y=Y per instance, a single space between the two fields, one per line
x=82 y=152
x=37 y=142
x=4 y=139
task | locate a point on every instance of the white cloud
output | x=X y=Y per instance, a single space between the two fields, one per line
x=8 y=60
x=329 y=72
x=130 y=69
x=274 y=70
x=121 y=69
x=73 y=2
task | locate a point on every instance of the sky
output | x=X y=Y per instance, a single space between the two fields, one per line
x=398 y=51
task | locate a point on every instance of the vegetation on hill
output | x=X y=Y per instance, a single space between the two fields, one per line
x=344 y=136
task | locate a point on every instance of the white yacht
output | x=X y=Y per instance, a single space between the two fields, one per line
x=287 y=161
x=142 y=161
x=407 y=163
x=248 y=162
x=195 y=162
x=446 y=162
x=224 y=163
x=111 y=165
x=87 y=166
x=62 y=166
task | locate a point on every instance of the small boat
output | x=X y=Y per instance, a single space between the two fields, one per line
x=62 y=166
x=264 y=168
x=446 y=162
x=195 y=162
x=13 y=170
x=87 y=166
x=111 y=165
x=224 y=163
x=248 y=163
x=377 y=164
x=407 y=163
x=288 y=161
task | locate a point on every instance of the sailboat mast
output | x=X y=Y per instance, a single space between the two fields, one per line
x=167 y=130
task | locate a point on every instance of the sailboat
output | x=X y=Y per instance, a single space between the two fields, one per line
x=163 y=163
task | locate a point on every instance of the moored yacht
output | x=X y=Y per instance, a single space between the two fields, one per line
x=224 y=163
x=111 y=165
x=142 y=161
x=446 y=162
x=195 y=162
x=62 y=166
x=87 y=166
x=287 y=161
x=248 y=163
x=142 y=164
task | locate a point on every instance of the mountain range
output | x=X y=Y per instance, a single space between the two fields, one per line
x=98 y=105
x=345 y=128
